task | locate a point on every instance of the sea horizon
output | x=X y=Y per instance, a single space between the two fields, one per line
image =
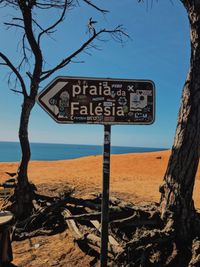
x=10 y=150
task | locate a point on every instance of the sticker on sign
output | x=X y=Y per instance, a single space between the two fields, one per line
x=99 y=100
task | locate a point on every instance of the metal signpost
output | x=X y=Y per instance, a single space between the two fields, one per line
x=105 y=195
x=100 y=101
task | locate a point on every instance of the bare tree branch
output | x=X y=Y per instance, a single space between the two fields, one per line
x=13 y=25
x=16 y=91
x=20 y=19
x=12 y=67
x=8 y=2
x=67 y=60
x=96 y=7
x=51 y=4
x=55 y=24
x=38 y=25
x=24 y=46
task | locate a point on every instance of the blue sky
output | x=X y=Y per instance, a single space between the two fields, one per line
x=158 y=50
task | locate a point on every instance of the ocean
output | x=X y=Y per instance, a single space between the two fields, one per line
x=10 y=151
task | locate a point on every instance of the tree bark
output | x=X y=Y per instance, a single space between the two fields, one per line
x=24 y=191
x=177 y=189
x=24 y=141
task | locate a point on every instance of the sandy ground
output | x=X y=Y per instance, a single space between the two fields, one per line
x=134 y=177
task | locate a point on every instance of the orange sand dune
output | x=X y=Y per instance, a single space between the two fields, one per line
x=134 y=177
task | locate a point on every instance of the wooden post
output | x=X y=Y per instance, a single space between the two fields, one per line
x=105 y=196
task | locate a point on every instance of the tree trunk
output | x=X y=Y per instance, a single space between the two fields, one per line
x=24 y=191
x=177 y=190
x=24 y=141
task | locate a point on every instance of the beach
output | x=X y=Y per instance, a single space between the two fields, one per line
x=134 y=177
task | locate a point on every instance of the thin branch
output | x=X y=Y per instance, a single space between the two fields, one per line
x=8 y=2
x=77 y=61
x=29 y=75
x=16 y=91
x=24 y=46
x=54 y=4
x=12 y=67
x=13 y=25
x=20 y=19
x=55 y=24
x=96 y=7
x=67 y=60
x=37 y=24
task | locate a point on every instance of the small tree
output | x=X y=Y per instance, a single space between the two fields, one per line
x=32 y=35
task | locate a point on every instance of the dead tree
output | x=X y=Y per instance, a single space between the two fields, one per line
x=177 y=189
x=32 y=35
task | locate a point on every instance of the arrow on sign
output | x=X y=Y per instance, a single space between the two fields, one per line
x=44 y=99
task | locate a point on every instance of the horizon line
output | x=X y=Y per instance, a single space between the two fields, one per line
x=52 y=143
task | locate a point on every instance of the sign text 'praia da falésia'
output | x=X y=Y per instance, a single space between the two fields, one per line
x=99 y=101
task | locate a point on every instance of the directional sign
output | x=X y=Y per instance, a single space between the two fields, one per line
x=99 y=100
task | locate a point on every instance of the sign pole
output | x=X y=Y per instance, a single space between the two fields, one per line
x=105 y=196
